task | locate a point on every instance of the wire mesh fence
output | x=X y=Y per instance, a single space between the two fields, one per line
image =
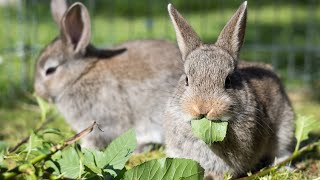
x=283 y=33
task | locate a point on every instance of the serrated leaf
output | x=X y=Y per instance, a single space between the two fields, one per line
x=70 y=166
x=304 y=125
x=209 y=131
x=166 y=169
x=120 y=150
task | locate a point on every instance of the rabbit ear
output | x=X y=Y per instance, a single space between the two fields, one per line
x=58 y=8
x=76 y=27
x=187 y=38
x=232 y=36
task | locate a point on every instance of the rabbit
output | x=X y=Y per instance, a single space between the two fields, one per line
x=217 y=85
x=120 y=88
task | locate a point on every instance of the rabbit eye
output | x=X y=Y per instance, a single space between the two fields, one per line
x=187 y=81
x=227 y=83
x=50 y=70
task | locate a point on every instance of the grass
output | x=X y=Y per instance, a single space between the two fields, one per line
x=26 y=117
x=17 y=123
x=19 y=114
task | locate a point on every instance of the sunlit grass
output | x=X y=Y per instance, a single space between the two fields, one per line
x=264 y=27
x=18 y=123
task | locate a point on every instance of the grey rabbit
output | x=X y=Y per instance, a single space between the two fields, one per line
x=217 y=85
x=120 y=88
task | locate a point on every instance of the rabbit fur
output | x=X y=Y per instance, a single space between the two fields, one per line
x=217 y=85
x=119 y=88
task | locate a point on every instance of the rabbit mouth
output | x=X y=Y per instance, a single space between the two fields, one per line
x=44 y=96
x=42 y=92
x=201 y=116
x=222 y=118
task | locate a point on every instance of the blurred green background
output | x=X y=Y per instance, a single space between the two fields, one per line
x=283 y=33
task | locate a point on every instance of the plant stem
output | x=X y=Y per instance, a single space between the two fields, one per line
x=26 y=139
x=15 y=171
x=283 y=163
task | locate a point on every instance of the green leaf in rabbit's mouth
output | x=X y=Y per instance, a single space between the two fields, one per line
x=209 y=131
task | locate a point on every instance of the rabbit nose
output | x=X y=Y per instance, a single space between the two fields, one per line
x=212 y=109
x=197 y=113
x=213 y=114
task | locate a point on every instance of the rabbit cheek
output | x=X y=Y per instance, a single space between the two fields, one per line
x=55 y=85
x=41 y=91
x=218 y=111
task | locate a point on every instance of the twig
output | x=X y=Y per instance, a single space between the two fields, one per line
x=283 y=163
x=99 y=128
x=26 y=139
x=17 y=170
x=80 y=135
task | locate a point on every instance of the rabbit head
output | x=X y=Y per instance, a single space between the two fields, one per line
x=206 y=87
x=67 y=57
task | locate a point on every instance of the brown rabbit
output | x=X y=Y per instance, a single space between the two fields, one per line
x=216 y=85
x=120 y=88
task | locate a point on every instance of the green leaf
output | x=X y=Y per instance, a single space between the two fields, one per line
x=70 y=166
x=304 y=125
x=53 y=163
x=89 y=161
x=44 y=107
x=3 y=146
x=166 y=169
x=110 y=162
x=100 y=158
x=119 y=150
x=56 y=156
x=27 y=168
x=3 y=164
x=34 y=141
x=50 y=164
x=111 y=172
x=51 y=131
x=32 y=146
x=209 y=131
